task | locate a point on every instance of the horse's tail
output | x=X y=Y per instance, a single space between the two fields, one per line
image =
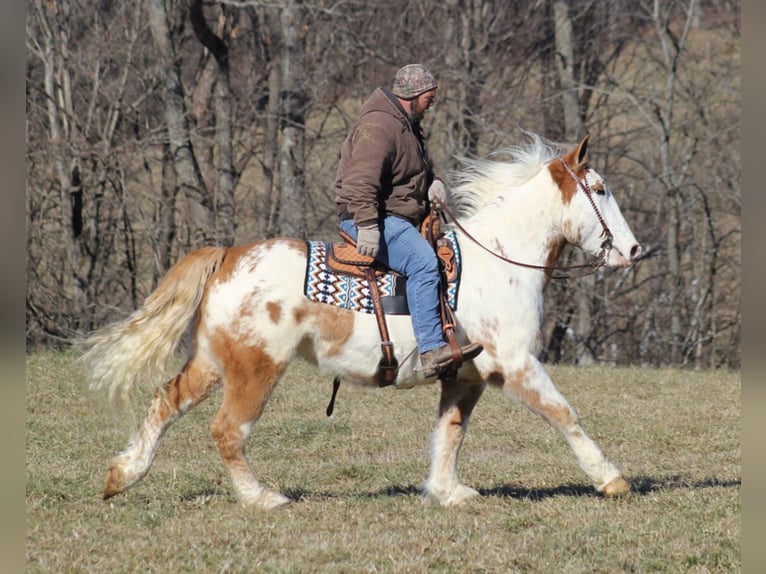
x=139 y=347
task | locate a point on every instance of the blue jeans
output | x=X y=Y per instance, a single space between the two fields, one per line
x=405 y=251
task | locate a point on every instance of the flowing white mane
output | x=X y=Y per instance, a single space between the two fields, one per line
x=482 y=179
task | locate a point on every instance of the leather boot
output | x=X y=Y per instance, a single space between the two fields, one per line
x=436 y=360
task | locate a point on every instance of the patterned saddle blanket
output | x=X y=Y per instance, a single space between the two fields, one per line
x=323 y=284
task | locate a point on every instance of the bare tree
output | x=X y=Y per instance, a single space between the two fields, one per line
x=74 y=140
x=221 y=149
x=292 y=198
x=695 y=248
x=199 y=204
x=156 y=126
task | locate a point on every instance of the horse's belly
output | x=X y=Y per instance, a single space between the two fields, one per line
x=261 y=303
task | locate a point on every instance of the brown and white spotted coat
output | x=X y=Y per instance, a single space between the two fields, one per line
x=247 y=318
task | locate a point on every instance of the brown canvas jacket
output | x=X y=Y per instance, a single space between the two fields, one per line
x=384 y=166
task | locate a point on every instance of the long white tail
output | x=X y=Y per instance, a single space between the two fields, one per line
x=139 y=346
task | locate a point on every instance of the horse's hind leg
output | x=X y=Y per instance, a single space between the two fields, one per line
x=532 y=386
x=455 y=406
x=188 y=388
x=249 y=378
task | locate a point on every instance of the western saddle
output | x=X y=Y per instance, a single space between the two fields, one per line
x=343 y=258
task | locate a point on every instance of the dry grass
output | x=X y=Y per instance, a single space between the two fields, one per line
x=355 y=477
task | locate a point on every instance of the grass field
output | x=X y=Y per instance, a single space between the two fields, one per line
x=354 y=480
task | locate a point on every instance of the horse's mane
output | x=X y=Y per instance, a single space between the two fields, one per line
x=479 y=180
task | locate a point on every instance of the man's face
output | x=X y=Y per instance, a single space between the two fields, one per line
x=420 y=104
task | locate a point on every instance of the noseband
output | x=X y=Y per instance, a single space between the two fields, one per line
x=606 y=245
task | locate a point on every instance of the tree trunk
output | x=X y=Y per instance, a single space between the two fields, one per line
x=565 y=61
x=266 y=199
x=292 y=212
x=57 y=86
x=464 y=41
x=189 y=177
x=164 y=218
x=672 y=46
x=224 y=204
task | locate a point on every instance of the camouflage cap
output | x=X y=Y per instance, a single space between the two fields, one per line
x=413 y=80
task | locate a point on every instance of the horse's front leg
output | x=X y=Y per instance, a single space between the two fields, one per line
x=455 y=406
x=532 y=386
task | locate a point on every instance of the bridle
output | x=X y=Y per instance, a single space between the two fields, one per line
x=592 y=266
x=583 y=184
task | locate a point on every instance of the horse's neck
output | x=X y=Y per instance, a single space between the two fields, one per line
x=522 y=226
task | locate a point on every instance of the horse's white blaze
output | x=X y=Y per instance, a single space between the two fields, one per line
x=249 y=317
x=624 y=243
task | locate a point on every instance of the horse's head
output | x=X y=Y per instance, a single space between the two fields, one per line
x=593 y=220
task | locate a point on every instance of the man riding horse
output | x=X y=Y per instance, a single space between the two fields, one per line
x=384 y=183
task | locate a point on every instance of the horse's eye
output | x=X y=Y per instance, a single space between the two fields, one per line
x=599 y=188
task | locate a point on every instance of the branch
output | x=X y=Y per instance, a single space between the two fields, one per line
x=207 y=37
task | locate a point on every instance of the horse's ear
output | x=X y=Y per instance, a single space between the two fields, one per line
x=581 y=153
x=578 y=156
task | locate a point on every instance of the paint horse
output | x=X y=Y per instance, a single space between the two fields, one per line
x=246 y=317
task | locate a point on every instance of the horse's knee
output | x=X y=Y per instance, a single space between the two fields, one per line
x=561 y=416
x=459 y=401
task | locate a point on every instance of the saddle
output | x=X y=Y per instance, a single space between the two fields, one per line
x=343 y=258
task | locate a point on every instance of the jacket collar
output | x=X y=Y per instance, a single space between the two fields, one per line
x=414 y=127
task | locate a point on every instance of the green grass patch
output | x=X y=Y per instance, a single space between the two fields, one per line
x=355 y=479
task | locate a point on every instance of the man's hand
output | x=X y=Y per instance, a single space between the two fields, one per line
x=437 y=192
x=368 y=240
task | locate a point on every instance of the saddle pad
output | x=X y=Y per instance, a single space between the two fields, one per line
x=323 y=285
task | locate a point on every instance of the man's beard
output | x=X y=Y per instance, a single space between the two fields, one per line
x=417 y=112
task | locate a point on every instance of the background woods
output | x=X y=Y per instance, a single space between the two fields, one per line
x=157 y=126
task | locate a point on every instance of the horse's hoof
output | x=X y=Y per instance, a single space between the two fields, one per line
x=266 y=500
x=461 y=494
x=274 y=500
x=454 y=497
x=114 y=484
x=616 y=487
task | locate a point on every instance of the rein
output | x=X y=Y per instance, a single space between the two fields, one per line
x=592 y=266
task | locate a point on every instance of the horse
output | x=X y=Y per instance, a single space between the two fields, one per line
x=246 y=317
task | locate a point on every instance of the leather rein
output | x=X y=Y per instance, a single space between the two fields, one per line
x=592 y=266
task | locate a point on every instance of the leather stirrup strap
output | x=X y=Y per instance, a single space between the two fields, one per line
x=448 y=327
x=388 y=366
x=431 y=230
